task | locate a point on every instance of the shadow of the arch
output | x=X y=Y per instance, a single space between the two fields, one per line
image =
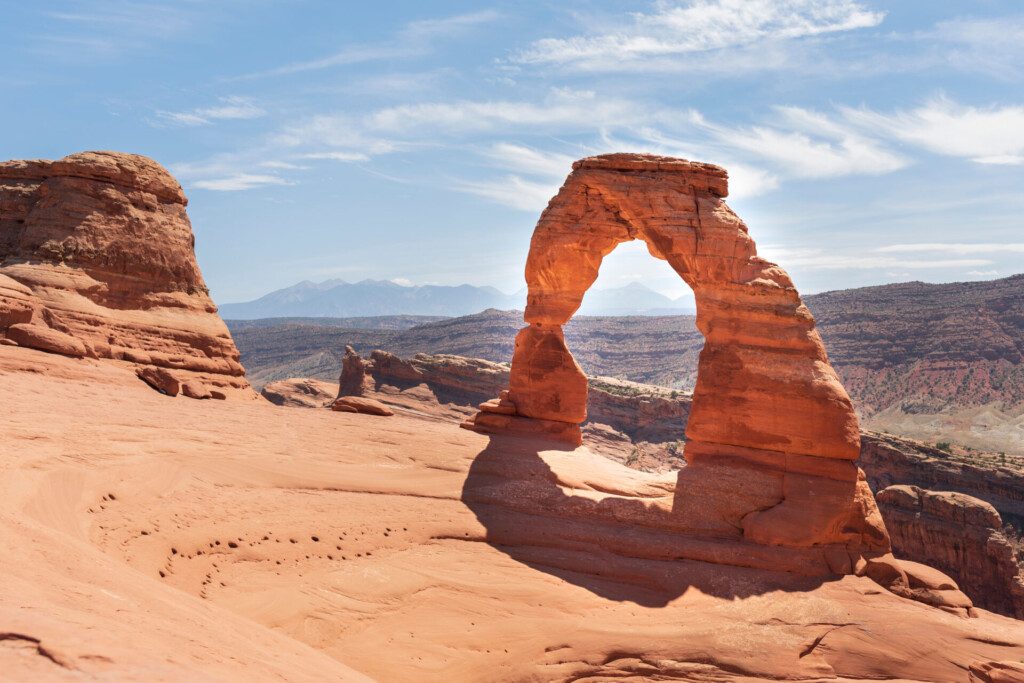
x=623 y=543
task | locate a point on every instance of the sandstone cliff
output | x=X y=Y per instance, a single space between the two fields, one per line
x=97 y=260
x=961 y=535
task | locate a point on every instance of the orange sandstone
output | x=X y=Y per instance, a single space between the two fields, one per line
x=97 y=260
x=772 y=435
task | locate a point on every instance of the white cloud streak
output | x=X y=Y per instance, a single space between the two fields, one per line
x=956 y=248
x=239 y=181
x=414 y=39
x=987 y=135
x=681 y=29
x=228 y=108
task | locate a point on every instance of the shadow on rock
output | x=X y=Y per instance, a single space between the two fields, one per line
x=616 y=532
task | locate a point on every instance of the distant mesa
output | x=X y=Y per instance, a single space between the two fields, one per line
x=97 y=261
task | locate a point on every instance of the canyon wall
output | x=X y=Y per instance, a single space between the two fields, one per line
x=960 y=535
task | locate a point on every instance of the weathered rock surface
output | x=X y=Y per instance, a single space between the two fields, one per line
x=300 y=392
x=97 y=260
x=353 y=374
x=961 y=535
x=772 y=434
x=361 y=404
x=643 y=426
x=889 y=460
x=455 y=547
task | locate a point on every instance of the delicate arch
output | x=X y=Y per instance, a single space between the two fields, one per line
x=772 y=434
x=764 y=381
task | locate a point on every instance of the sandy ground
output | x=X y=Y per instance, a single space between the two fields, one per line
x=153 y=538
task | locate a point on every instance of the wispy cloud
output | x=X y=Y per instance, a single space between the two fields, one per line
x=559 y=108
x=239 y=181
x=994 y=47
x=680 y=29
x=512 y=191
x=986 y=135
x=337 y=156
x=807 y=144
x=233 y=107
x=414 y=39
x=956 y=248
x=108 y=28
x=821 y=259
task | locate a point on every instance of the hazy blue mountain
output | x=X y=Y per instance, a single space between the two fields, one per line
x=340 y=299
x=632 y=299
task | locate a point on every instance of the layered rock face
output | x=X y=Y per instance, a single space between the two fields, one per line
x=960 y=535
x=97 y=260
x=772 y=434
x=890 y=460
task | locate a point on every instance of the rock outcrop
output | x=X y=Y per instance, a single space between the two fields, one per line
x=361 y=404
x=300 y=393
x=961 y=535
x=97 y=260
x=353 y=374
x=889 y=460
x=772 y=434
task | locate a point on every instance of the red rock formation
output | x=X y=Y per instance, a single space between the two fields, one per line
x=96 y=259
x=300 y=393
x=960 y=535
x=353 y=374
x=772 y=434
x=889 y=460
x=361 y=404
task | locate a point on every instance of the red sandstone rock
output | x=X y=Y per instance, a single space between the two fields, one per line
x=960 y=535
x=46 y=339
x=997 y=672
x=772 y=433
x=300 y=392
x=195 y=389
x=96 y=254
x=360 y=404
x=160 y=379
x=353 y=374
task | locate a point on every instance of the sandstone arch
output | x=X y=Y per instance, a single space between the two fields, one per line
x=772 y=435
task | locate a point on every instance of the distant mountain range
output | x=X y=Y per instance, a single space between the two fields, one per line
x=340 y=299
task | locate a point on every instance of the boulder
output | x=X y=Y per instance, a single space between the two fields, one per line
x=359 y=404
x=160 y=379
x=46 y=339
x=300 y=392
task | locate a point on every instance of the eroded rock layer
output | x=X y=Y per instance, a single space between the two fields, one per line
x=97 y=260
x=960 y=535
x=772 y=434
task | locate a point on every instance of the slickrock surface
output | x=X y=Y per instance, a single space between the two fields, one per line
x=772 y=433
x=962 y=536
x=236 y=540
x=97 y=260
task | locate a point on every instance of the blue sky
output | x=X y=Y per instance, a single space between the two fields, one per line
x=867 y=142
